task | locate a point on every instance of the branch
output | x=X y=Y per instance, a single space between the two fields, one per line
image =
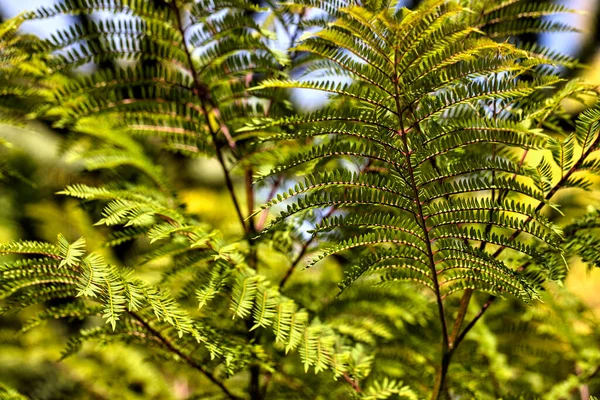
x=265 y=213
x=171 y=347
x=550 y=194
x=200 y=91
x=420 y=219
x=353 y=383
x=296 y=261
x=303 y=251
x=462 y=335
x=250 y=198
x=460 y=318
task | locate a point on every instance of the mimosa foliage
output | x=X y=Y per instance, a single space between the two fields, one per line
x=432 y=171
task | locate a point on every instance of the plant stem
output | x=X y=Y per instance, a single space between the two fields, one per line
x=228 y=180
x=462 y=335
x=171 y=347
x=254 y=388
x=262 y=219
x=295 y=263
x=303 y=251
x=255 y=392
x=440 y=378
x=200 y=91
x=445 y=361
x=462 y=313
x=549 y=196
x=248 y=229
x=353 y=382
x=249 y=197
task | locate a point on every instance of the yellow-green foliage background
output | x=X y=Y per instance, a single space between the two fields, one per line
x=29 y=208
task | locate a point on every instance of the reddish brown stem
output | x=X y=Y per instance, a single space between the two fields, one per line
x=188 y=360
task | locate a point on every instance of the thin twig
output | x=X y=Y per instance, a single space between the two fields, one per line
x=353 y=383
x=470 y=325
x=296 y=261
x=549 y=196
x=460 y=318
x=250 y=198
x=200 y=90
x=262 y=219
x=303 y=251
x=171 y=347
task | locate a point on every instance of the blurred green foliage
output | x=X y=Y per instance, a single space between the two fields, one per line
x=158 y=207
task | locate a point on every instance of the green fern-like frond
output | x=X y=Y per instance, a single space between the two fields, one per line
x=73 y=311
x=9 y=393
x=21 y=69
x=430 y=172
x=423 y=87
x=63 y=268
x=186 y=79
x=71 y=252
x=320 y=346
x=387 y=388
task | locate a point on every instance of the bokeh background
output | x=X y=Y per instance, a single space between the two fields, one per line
x=30 y=210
